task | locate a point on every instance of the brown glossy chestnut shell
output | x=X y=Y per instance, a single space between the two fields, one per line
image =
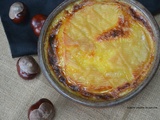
x=41 y=110
x=18 y=12
x=37 y=23
x=27 y=67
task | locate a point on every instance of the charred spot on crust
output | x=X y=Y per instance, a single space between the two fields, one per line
x=134 y=84
x=86 y=94
x=53 y=61
x=118 y=31
x=137 y=16
x=111 y=34
x=52 y=36
x=51 y=39
x=74 y=88
x=51 y=52
x=67 y=14
x=140 y=18
x=62 y=80
x=55 y=29
x=105 y=97
x=123 y=87
x=77 y=7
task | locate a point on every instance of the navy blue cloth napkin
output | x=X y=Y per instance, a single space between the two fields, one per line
x=21 y=38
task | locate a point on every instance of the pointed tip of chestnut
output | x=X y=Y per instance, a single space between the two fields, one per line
x=27 y=67
x=41 y=110
x=37 y=23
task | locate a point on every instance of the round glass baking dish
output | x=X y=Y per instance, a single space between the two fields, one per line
x=62 y=90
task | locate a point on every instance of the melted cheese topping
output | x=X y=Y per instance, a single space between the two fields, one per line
x=101 y=47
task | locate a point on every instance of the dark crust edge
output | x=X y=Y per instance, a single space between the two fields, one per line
x=139 y=17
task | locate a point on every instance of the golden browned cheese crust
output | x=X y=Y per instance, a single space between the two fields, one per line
x=100 y=49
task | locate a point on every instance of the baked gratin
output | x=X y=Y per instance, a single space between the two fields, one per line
x=100 y=49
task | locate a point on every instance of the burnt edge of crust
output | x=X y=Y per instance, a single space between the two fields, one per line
x=139 y=17
x=52 y=56
x=78 y=7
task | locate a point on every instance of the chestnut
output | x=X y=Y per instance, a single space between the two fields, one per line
x=37 y=23
x=41 y=110
x=27 y=67
x=18 y=12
